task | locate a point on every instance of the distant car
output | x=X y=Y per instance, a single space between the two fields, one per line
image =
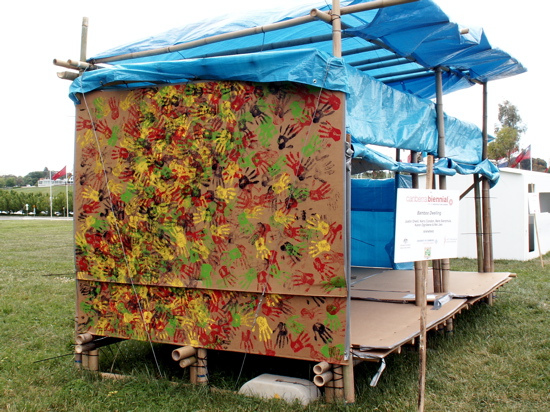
x=57 y=213
x=31 y=213
x=43 y=212
x=19 y=212
x=2 y=212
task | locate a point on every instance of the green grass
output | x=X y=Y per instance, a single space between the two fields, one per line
x=44 y=190
x=497 y=359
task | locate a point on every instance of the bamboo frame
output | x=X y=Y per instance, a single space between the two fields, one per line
x=314 y=14
x=488 y=264
x=422 y=345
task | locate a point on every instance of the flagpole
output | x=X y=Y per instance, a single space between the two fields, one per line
x=67 y=195
x=51 y=207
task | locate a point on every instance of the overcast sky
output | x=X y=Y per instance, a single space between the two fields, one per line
x=37 y=117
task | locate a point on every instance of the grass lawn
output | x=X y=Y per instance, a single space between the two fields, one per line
x=498 y=358
x=44 y=190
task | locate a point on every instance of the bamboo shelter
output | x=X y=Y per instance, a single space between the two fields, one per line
x=214 y=200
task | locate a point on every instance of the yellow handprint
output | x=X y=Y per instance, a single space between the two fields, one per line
x=262 y=252
x=264 y=329
x=316 y=223
x=282 y=184
x=319 y=247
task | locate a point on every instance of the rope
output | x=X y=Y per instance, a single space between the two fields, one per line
x=270 y=262
x=117 y=228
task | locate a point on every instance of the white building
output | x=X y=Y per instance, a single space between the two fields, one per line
x=513 y=220
x=57 y=182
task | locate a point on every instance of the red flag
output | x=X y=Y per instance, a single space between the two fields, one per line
x=525 y=154
x=59 y=174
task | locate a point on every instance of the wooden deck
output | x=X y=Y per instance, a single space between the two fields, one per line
x=384 y=316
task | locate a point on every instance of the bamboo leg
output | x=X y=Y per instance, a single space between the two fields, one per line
x=93 y=360
x=78 y=360
x=349 y=382
x=338 y=382
x=436 y=270
x=201 y=367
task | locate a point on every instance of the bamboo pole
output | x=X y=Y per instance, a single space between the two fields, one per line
x=538 y=240
x=68 y=75
x=417 y=265
x=251 y=31
x=83 y=338
x=444 y=265
x=336 y=29
x=479 y=223
x=486 y=205
x=210 y=40
x=199 y=370
x=341 y=382
x=93 y=360
x=422 y=347
x=84 y=39
x=185 y=362
x=323 y=378
x=183 y=352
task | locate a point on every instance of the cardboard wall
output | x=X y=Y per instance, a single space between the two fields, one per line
x=223 y=204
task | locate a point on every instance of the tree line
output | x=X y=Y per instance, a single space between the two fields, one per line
x=12 y=201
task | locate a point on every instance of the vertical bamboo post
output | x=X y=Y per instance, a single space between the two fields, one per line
x=444 y=272
x=422 y=346
x=93 y=360
x=84 y=39
x=340 y=382
x=199 y=371
x=485 y=189
x=479 y=223
x=417 y=265
x=336 y=29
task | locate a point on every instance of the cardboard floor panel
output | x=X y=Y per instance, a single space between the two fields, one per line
x=461 y=284
x=381 y=325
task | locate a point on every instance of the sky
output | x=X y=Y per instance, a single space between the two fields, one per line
x=37 y=117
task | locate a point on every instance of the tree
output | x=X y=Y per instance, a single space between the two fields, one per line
x=508 y=132
x=33 y=177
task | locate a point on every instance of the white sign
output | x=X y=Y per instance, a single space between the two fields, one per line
x=426 y=225
x=534 y=203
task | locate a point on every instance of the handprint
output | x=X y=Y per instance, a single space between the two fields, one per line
x=316 y=223
x=290 y=132
x=113 y=104
x=320 y=193
x=327 y=131
x=282 y=335
x=323 y=332
x=319 y=247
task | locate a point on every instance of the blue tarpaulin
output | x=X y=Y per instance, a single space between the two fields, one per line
x=373 y=217
x=384 y=44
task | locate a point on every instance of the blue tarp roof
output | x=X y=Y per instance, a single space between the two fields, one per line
x=398 y=44
x=389 y=43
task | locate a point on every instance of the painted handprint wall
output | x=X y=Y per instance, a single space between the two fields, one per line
x=223 y=204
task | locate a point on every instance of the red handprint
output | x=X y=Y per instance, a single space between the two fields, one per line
x=303 y=278
x=83 y=124
x=329 y=99
x=246 y=342
x=321 y=192
x=300 y=342
x=113 y=105
x=327 y=131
